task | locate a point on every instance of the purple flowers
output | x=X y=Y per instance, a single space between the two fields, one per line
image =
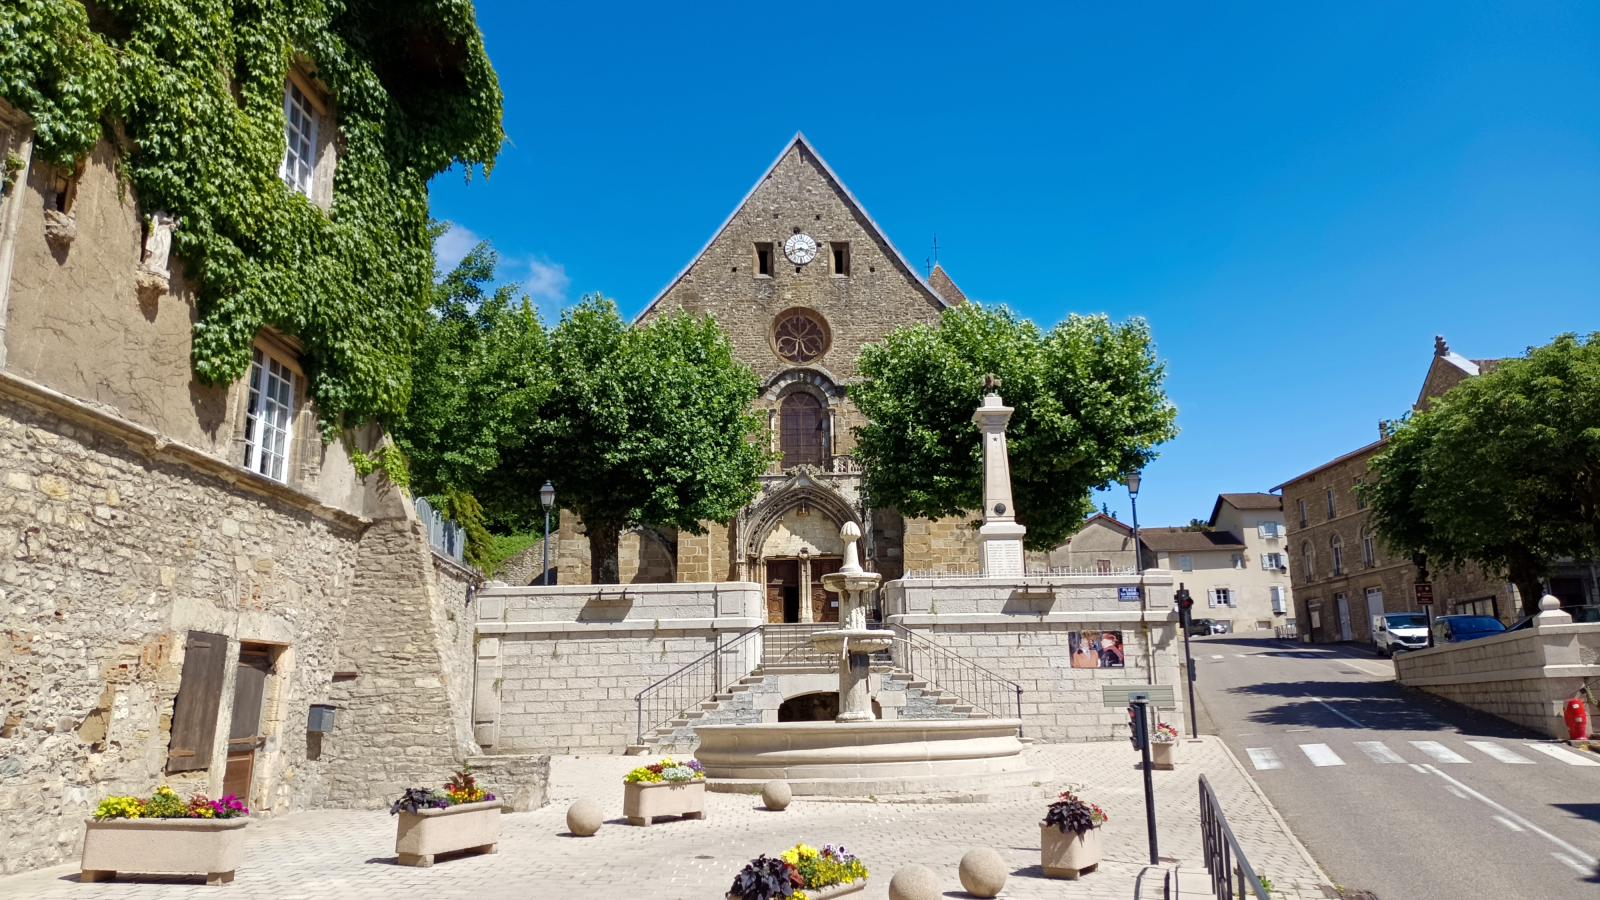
x=228 y=807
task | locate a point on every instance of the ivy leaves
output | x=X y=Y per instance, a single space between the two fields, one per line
x=1089 y=407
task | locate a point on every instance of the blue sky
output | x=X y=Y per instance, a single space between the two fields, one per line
x=1297 y=197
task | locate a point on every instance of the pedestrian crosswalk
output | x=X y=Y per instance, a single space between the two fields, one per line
x=1434 y=752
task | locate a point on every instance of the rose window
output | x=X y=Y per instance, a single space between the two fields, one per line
x=800 y=338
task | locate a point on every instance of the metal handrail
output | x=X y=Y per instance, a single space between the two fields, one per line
x=955 y=674
x=695 y=683
x=1230 y=871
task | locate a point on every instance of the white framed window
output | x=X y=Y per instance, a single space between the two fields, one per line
x=300 y=137
x=1186 y=563
x=1337 y=547
x=1270 y=530
x=1221 y=597
x=270 y=418
x=1274 y=561
x=1374 y=600
x=1280 y=602
x=1238 y=560
x=1369 y=554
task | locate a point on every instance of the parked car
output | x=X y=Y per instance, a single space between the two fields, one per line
x=1198 y=627
x=1394 y=632
x=1455 y=629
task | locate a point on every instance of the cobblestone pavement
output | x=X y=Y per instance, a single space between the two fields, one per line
x=350 y=854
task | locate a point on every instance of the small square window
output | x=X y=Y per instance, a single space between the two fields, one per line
x=300 y=140
x=841 y=258
x=764 y=258
x=270 y=419
x=1186 y=563
x=1238 y=560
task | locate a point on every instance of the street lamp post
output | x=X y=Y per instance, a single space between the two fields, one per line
x=547 y=496
x=1133 y=498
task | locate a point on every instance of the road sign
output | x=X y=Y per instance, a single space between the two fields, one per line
x=1424 y=593
x=1128 y=593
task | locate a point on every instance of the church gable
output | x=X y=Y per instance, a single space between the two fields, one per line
x=845 y=284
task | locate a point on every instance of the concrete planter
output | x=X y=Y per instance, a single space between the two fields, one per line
x=1163 y=754
x=210 y=847
x=643 y=801
x=1068 y=855
x=827 y=893
x=465 y=826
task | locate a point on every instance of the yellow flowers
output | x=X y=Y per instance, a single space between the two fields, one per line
x=798 y=852
x=120 y=808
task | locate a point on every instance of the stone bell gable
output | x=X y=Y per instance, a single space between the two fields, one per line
x=856 y=289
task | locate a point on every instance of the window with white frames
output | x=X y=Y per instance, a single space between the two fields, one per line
x=1280 y=603
x=1222 y=597
x=269 y=420
x=1374 y=601
x=1369 y=554
x=1186 y=563
x=1270 y=530
x=300 y=136
x=1337 y=547
x=1274 y=561
x=1238 y=560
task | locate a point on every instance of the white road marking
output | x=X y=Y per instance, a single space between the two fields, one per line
x=1504 y=754
x=1576 y=853
x=1264 y=758
x=1563 y=754
x=1455 y=790
x=1240 y=655
x=1419 y=768
x=1379 y=752
x=1381 y=672
x=1321 y=755
x=1440 y=752
x=1507 y=823
x=1337 y=713
x=1573 y=863
x=1216 y=656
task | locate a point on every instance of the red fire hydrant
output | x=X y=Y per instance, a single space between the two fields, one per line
x=1577 y=719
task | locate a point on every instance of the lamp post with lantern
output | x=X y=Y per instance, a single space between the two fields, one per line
x=547 y=496
x=1133 y=498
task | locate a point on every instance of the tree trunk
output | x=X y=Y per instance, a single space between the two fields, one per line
x=1527 y=577
x=603 y=540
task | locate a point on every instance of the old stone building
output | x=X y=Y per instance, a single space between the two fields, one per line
x=1341 y=574
x=801 y=278
x=186 y=570
x=1237 y=571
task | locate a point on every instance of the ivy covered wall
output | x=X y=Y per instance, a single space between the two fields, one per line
x=190 y=93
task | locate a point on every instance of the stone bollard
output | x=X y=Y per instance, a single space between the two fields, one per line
x=914 y=883
x=583 y=818
x=776 y=794
x=983 y=872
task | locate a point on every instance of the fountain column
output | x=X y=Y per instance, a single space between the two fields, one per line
x=1001 y=535
x=853 y=641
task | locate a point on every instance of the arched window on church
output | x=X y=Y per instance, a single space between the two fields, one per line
x=801 y=430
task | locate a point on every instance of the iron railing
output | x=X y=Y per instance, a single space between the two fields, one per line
x=789 y=644
x=444 y=535
x=1029 y=572
x=1230 y=872
x=697 y=682
x=956 y=675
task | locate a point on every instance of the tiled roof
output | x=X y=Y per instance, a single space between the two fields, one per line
x=940 y=281
x=1245 y=501
x=1174 y=540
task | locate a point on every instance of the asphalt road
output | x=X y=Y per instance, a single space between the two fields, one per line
x=1479 y=809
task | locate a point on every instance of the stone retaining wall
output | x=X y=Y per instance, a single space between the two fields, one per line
x=1522 y=676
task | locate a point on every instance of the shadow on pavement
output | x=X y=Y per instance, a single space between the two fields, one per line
x=1377 y=705
x=1590 y=811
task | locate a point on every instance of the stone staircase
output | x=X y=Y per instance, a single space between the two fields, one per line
x=765 y=688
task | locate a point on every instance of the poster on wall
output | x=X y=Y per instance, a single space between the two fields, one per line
x=1095 y=649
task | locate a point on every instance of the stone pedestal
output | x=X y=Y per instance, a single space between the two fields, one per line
x=1001 y=535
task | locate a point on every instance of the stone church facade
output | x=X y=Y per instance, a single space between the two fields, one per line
x=801 y=278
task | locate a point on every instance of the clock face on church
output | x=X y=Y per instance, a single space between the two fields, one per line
x=800 y=249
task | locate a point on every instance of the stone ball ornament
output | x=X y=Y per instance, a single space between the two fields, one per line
x=776 y=794
x=914 y=883
x=584 y=818
x=983 y=872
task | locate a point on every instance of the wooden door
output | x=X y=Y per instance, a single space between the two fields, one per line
x=783 y=589
x=824 y=603
x=244 y=734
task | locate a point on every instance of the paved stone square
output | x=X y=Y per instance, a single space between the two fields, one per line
x=350 y=854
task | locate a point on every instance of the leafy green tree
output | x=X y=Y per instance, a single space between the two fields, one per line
x=1502 y=471
x=647 y=425
x=481 y=367
x=1089 y=407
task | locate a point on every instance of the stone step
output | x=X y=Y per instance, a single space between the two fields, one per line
x=710 y=704
x=698 y=714
x=737 y=688
x=916 y=685
x=963 y=708
x=945 y=701
x=722 y=696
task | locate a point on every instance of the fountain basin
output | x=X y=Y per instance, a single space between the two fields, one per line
x=974 y=759
x=864 y=640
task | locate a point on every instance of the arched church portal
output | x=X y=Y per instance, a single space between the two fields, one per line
x=793 y=540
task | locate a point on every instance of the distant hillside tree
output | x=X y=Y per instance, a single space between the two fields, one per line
x=1089 y=408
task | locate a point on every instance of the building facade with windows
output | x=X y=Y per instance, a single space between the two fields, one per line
x=1236 y=572
x=1342 y=575
x=189 y=569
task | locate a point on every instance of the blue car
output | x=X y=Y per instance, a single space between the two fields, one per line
x=1454 y=629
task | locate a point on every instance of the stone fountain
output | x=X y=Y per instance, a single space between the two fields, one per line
x=853 y=641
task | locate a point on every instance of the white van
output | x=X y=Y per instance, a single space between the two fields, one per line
x=1393 y=632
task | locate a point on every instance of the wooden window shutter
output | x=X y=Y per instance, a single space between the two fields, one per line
x=194 y=714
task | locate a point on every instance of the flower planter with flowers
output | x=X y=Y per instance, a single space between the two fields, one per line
x=463 y=816
x=801 y=873
x=1164 y=747
x=666 y=788
x=1069 y=837
x=165 y=835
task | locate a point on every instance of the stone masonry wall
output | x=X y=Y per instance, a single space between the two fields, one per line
x=942 y=545
x=108 y=557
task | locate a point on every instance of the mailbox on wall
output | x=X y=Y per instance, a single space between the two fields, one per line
x=321 y=718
